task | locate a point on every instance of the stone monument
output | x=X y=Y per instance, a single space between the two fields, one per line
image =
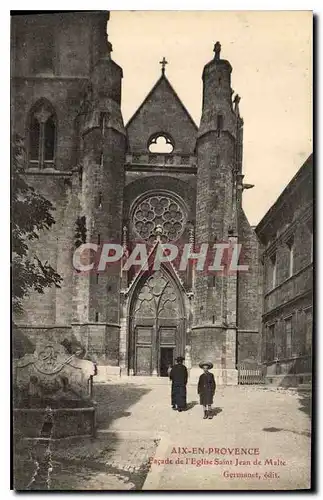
x=53 y=382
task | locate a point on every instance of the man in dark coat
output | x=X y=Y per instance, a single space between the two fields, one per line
x=206 y=388
x=178 y=376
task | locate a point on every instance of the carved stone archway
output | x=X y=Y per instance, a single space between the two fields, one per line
x=156 y=325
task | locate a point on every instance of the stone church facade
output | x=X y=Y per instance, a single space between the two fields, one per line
x=110 y=182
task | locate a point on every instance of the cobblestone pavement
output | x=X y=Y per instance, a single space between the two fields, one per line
x=108 y=462
x=275 y=421
x=137 y=425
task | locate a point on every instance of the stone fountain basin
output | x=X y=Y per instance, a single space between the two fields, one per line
x=66 y=422
x=53 y=393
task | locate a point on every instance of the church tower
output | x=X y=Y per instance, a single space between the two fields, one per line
x=103 y=148
x=214 y=329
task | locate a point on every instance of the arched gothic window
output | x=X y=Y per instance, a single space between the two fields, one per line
x=42 y=136
x=161 y=143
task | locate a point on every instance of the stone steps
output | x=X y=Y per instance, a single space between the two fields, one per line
x=125 y=379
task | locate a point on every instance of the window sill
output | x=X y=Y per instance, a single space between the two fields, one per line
x=35 y=166
x=289 y=278
x=47 y=171
x=290 y=358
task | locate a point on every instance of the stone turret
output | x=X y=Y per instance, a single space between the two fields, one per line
x=214 y=329
x=103 y=158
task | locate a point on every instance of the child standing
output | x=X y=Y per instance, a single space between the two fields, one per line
x=206 y=388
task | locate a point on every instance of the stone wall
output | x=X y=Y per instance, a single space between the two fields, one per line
x=213 y=218
x=56 y=247
x=249 y=293
x=162 y=111
x=287 y=236
x=64 y=44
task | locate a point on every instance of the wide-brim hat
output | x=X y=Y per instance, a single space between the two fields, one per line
x=206 y=363
x=180 y=358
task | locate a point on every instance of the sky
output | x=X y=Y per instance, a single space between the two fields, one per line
x=271 y=56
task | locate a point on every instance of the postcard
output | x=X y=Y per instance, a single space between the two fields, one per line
x=162 y=250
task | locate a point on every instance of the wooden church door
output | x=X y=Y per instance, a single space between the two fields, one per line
x=156 y=326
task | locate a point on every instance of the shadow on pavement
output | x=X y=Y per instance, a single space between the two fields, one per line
x=113 y=401
x=191 y=405
x=276 y=429
x=82 y=464
x=86 y=463
x=215 y=411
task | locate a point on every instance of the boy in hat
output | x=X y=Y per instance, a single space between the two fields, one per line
x=206 y=388
x=178 y=376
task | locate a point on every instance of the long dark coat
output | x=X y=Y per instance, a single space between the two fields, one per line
x=206 y=388
x=178 y=376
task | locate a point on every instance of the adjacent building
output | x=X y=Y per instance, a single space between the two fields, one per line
x=286 y=235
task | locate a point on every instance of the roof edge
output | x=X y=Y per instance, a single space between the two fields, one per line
x=273 y=209
x=162 y=77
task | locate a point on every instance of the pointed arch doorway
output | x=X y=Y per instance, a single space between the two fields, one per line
x=156 y=326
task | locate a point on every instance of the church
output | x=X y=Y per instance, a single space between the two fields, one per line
x=159 y=178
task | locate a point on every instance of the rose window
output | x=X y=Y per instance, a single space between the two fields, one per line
x=161 y=212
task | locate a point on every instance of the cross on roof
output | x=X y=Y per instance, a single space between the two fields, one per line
x=163 y=62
